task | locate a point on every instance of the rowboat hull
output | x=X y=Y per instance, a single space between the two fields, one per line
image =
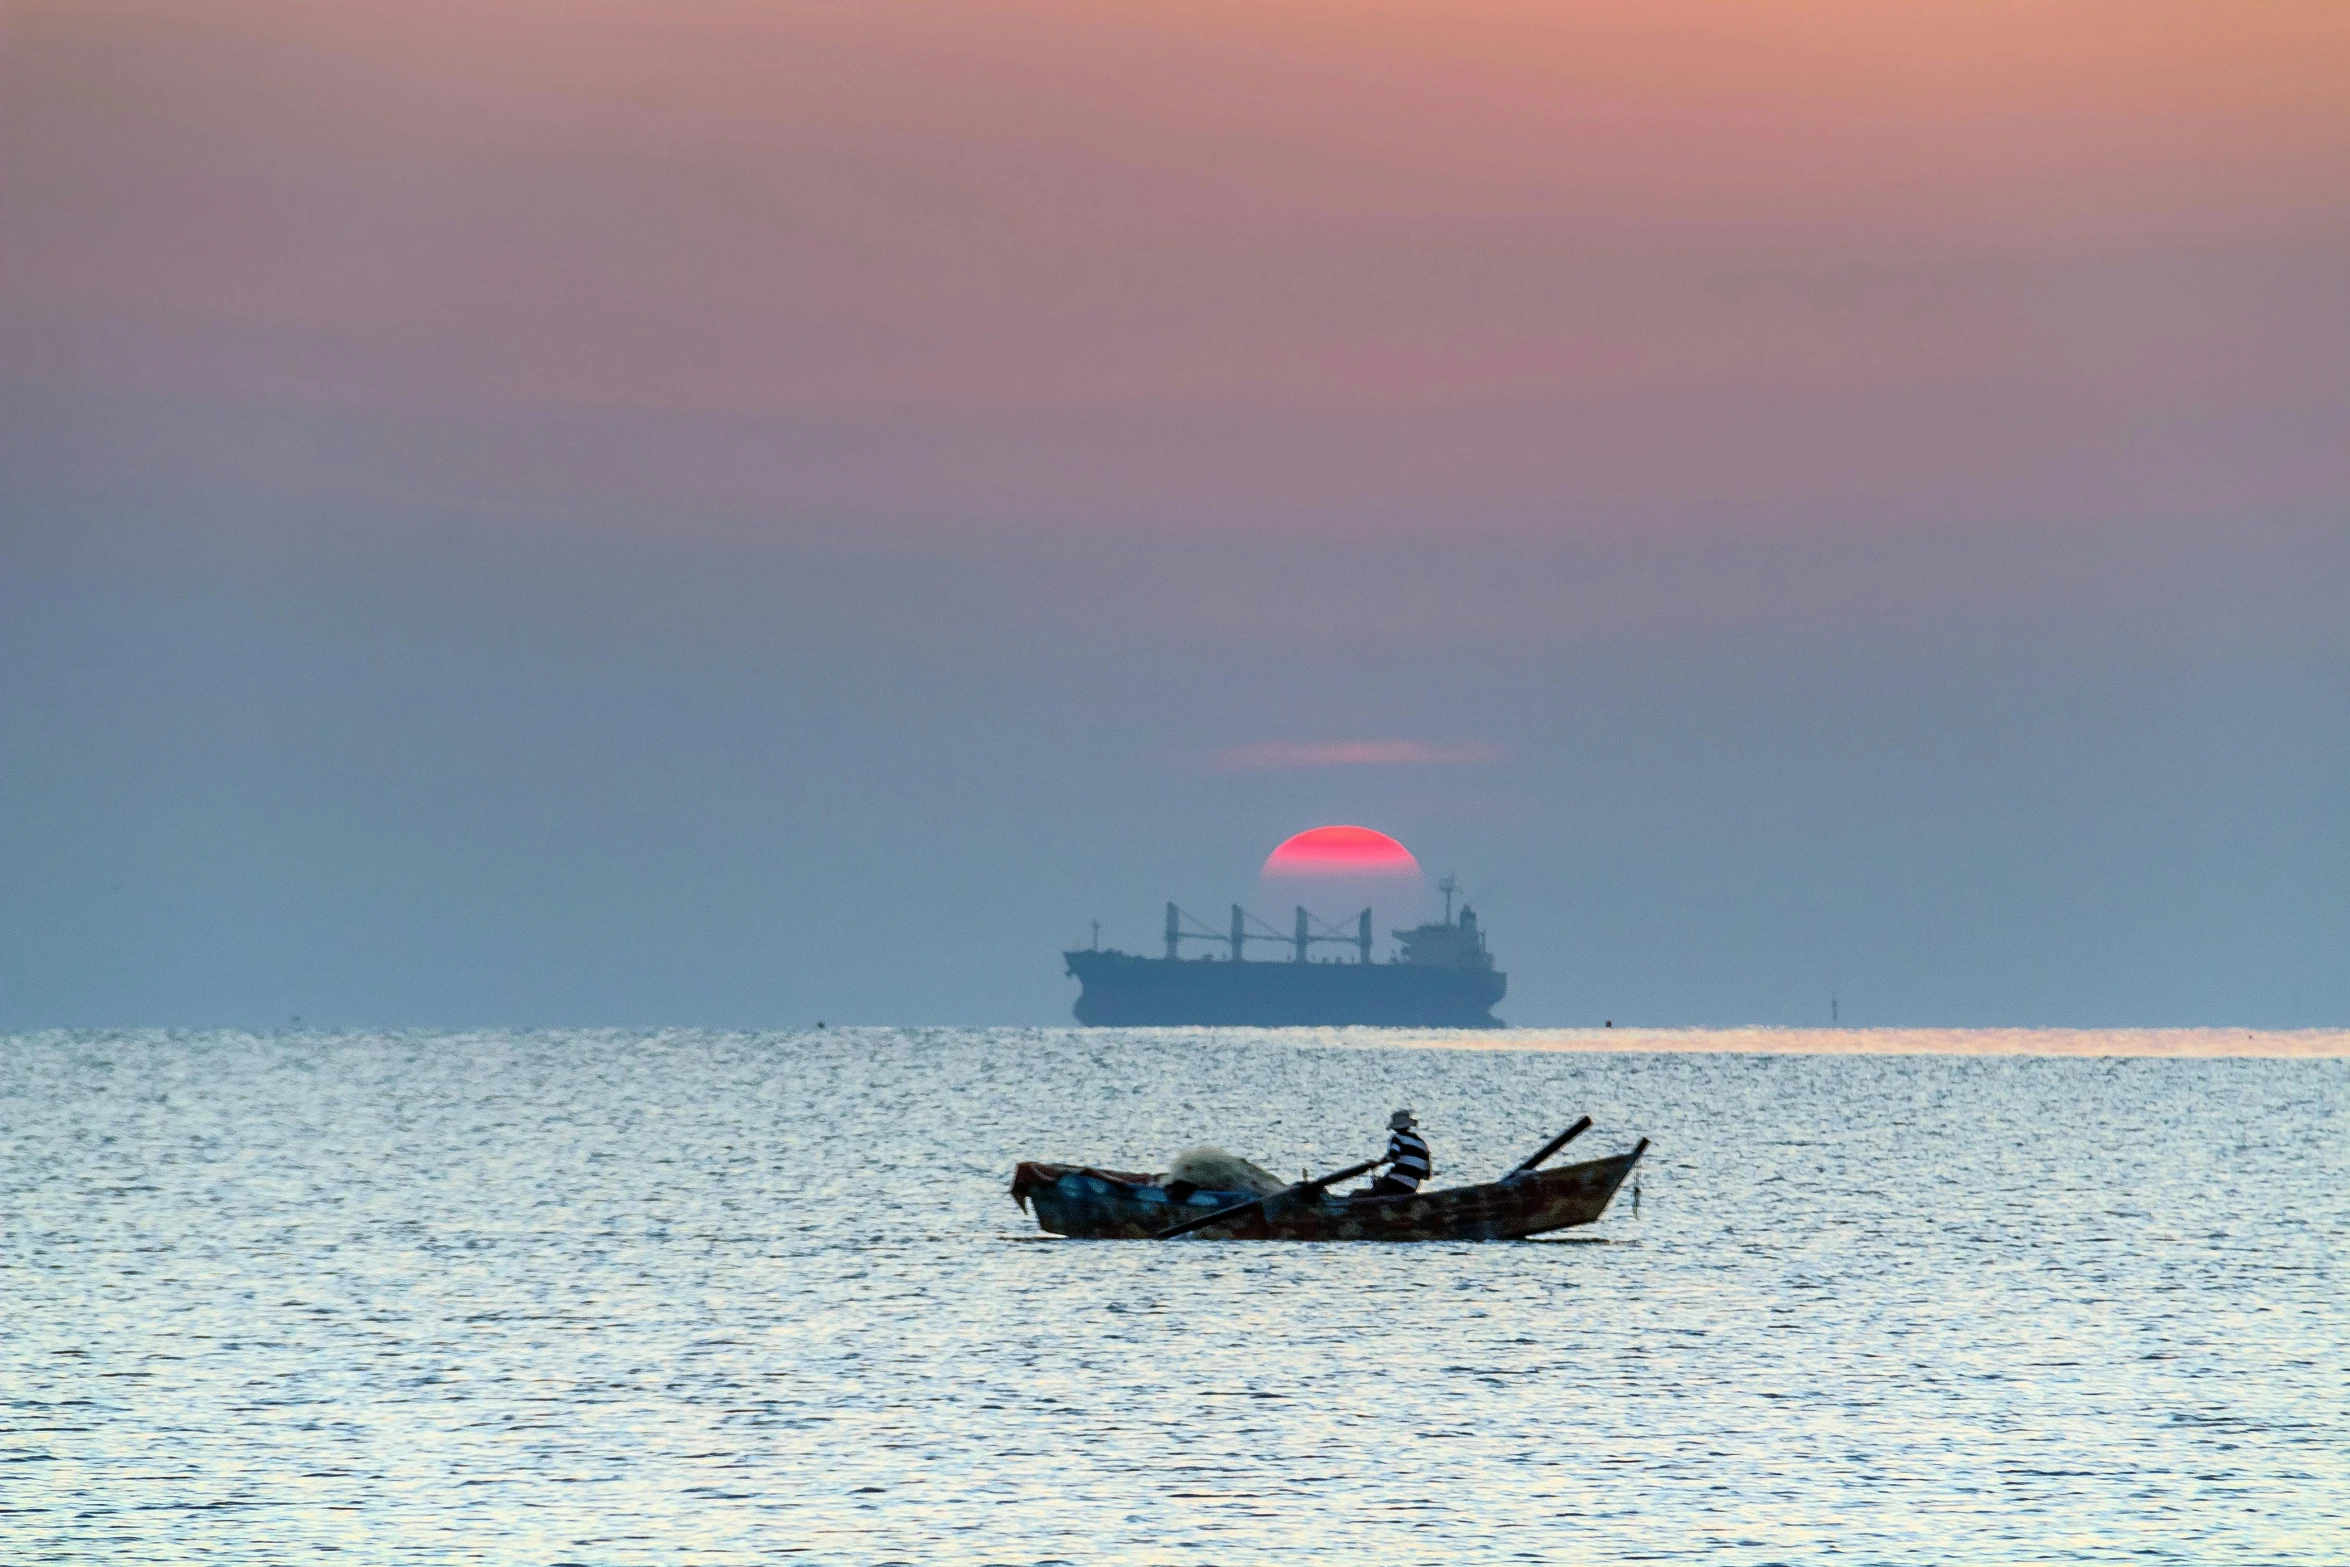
x=1091 y=1204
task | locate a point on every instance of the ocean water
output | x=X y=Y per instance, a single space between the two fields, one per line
x=602 y=1297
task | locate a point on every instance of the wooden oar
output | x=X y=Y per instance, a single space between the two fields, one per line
x=1553 y=1146
x=1301 y=1189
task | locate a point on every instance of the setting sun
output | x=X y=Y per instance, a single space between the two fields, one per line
x=1341 y=851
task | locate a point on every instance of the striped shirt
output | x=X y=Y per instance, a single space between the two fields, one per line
x=1409 y=1164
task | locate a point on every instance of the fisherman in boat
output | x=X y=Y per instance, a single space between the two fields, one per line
x=1407 y=1159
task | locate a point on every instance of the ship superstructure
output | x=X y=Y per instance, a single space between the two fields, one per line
x=1441 y=977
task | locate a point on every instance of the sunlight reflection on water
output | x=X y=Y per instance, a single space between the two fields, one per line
x=2283 y=1044
x=616 y=1298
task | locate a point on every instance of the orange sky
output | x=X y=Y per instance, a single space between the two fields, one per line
x=1564 y=255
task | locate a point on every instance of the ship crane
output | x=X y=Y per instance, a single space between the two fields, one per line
x=1183 y=927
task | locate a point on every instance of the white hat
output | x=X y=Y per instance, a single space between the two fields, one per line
x=1402 y=1119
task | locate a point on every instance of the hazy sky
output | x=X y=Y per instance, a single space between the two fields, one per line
x=742 y=513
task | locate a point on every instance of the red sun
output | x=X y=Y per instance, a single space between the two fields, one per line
x=1341 y=851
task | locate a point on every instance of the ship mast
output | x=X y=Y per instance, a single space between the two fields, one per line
x=1448 y=887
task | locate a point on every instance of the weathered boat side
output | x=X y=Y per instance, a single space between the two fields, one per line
x=1091 y=1204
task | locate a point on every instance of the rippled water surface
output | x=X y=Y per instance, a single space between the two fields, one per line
x=617 y=1298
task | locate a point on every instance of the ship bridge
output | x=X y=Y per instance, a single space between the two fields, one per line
x=1450 y=943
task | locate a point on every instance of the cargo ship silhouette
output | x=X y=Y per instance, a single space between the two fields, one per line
x=1443 y=977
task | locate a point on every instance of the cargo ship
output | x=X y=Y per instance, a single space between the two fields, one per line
x=1441 y=977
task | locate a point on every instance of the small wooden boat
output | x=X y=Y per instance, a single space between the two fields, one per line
x=1095 y=1204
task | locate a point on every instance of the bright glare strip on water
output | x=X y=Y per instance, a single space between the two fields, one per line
x=2194 y=1043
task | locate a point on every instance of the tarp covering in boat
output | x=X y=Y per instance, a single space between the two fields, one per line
x=1212 y=1169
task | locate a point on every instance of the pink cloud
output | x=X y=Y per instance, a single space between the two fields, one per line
x=1269 y=756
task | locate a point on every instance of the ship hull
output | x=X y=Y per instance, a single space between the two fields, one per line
x=1121 y=990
